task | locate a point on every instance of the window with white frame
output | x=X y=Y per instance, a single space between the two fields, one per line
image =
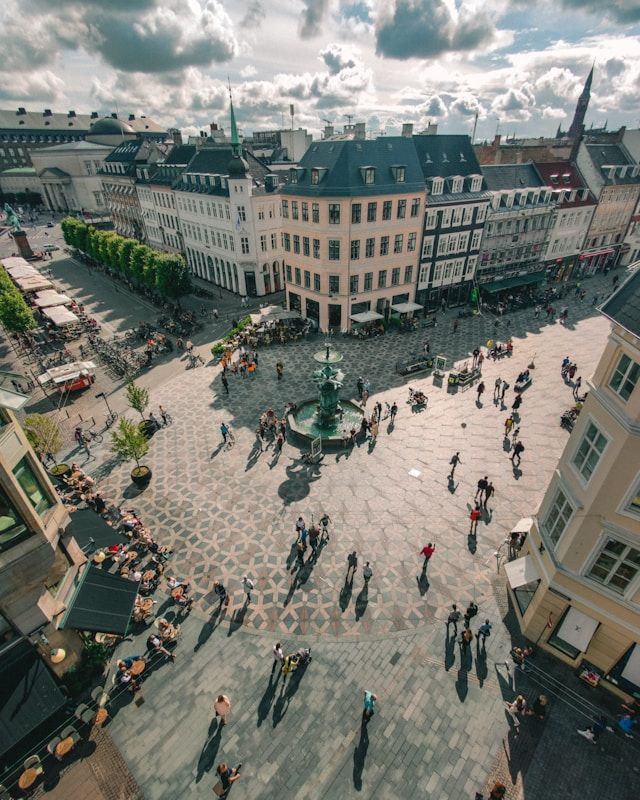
x=475 y=239
x=616 y=565
x=471 y=265
x=456 y=218
x=431 y=220
x=557 y=517
x=427 y=247
x=476 y=183
x=446 y=218
x=588 y=453
x=625 y=377
x=437 y=186
x=468 y=215
x=482 y=213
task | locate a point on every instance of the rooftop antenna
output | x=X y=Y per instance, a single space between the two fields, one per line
x=475 y=125
x=291 y=112
x=349 y=118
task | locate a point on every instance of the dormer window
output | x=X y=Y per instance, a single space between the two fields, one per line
x=293 y=176
x=462 y=158
x=457 y=184
x=476 y=183
x=317 y=174
x=399 y=173
x=368 y=175
x=555 y=179
x=566 y=178
x=437 y=186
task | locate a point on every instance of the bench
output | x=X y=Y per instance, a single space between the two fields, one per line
x=417 y=363
x=520 y=387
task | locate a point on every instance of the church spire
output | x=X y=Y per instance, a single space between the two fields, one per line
x=235 y=139
x=577 y=126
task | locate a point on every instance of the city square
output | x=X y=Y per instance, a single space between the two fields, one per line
x=229 y=512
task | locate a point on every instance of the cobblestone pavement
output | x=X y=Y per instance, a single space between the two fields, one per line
x=231 y=512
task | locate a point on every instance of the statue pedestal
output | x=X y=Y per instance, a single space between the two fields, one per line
x=20 y=238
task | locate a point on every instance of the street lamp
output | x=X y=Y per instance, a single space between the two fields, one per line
x=111 y=417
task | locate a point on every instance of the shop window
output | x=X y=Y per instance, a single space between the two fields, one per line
x=12 y=528
x=626 y=672
x=616 y=566
x=31 y=486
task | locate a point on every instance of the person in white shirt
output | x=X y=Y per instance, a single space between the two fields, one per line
x=278 y=656
x=247 y=585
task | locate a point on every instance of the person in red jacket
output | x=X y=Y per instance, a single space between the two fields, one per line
x=427 y=551
x=474 y=516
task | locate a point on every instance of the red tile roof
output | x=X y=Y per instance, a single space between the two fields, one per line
x=563 y=175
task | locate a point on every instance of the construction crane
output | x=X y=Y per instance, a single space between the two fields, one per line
x=348 y=117
x=328 y=121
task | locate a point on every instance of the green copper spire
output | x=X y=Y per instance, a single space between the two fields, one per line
x=235 y=139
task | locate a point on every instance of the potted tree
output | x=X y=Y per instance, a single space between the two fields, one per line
x=138 y=399
x=130 y=443
x=45 y=437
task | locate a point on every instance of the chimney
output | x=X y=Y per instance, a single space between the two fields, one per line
x=71 y=113
x=177 y=137
x=20 y=111
x=47 y=112
x=407 y=129
x=359 y=131
x=213 y=126
x=94 y=115
x=114 y=115
x=496 y=140
x=328 y=131
x=131 y=116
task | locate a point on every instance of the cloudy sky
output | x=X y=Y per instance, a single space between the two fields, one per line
x=520 y=63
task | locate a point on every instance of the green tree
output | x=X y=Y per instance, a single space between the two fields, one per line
x=172 y=276
x=113 y=250
x=128 y=441
x=150 y=268
x=124 y=253
x=138 y=256
x=137 y=397
x=15 y=314
x=43 y=434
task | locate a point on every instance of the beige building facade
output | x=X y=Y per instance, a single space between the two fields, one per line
x=576 y=584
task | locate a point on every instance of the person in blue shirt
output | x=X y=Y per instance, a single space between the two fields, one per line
x=369 y=704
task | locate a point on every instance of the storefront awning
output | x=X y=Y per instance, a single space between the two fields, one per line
x=60 y=316
x=511 y=283
x=50 y=298
x=631 y=672
x=577 y=629
x=102 y=602
x=597 y=253
x=521 y=571
x=523 y=525
x=365 y=316
x=29 y=694
x=405 y=308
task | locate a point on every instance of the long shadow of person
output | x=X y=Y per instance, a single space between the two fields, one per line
x=462 y=685
x=451 y=485
x=291 y=592
x=218 y=449
x=481 y=664
x=207 y=629
x=362 y=601
x=210 y=750
x=506 y=444
x=517 y=472
x=345 y=593
x=267 y=698
x=423 y=583
x=360 y=755
x=472 y=543
x=292 y=554
x=449 y=651
x=237 y=619
x=391 y=427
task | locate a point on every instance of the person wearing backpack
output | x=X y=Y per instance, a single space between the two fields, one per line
x=517 y=452
x=453 y=619
x=483 y=631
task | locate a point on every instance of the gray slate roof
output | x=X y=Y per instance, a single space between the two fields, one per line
x=446 y=155
x=603 y=155
x=623 y=307
x=63 y=123
x=343 y=161
x=214 y=160
x=505 y=177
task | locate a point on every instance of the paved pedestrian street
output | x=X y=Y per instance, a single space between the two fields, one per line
x=440 y=729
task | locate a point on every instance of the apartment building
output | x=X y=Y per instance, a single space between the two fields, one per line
x=154 y=186
x=118 y=176
x=614 y=179
x=517 y=229
x=573 y=210
x=352 y=218
x=455 y=213
x=576 y=584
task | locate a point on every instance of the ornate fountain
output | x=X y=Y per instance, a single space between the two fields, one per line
x=328 y=416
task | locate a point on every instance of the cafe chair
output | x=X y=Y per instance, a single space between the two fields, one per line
x=100 y=695
x=33 y=762
x=4 y=792
x=51 y=747
x=72 y=732
x=83 y=713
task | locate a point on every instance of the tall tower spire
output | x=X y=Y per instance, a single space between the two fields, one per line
x=235 y=139
x=577 y=126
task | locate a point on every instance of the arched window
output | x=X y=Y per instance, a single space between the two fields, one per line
x=235 y=278
x=209 y=268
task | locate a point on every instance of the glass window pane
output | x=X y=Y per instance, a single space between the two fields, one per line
x=612 y=546
x=31 y=486
x=12 y=528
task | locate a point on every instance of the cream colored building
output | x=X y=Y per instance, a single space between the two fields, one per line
x=352 y=218
x=576 y=584
x=39 y=560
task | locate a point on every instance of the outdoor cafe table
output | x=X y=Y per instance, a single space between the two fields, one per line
x=65 y=746
x=137 y=668
x=100 y=717
x=148 y=575
x=28 y=778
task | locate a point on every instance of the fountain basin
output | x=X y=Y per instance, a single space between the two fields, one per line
x=306 y=425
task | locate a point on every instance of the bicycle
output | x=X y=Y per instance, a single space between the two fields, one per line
x=94 y=435
x=111 y=417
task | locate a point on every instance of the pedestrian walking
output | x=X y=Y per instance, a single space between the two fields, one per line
x=225 y=383
x=215 y=313
x=222 y=707
x=466 y=637
x=474 y=516
x=300 y=551
x=393 y=411
x=224 y=430
x=278 y=657
x=360 y=387
x=516 y=403
x=536 y=312
x=279 y=370
x=455 y=460
x=480 y=360
x=427 y=551
x=369 y=705
x=572 y=371
x=518 y=449
x=470 y=613
x=300 y=525
x=512 y=669
x=352 y=562
x=164 y=416
x=325 y=519
x=496 y=389
x=247 y=585
x=483 y=631
x=85 y=443
x=576 y=387
x=488 y=492
x=227 y=775
x=454 y=617
x=539 y=708
x=508 y=425
x=505 y=386
x=480 y=391
x=518 y=706
x=455 y=325
x=475 y=354
x=375 y=428
x=367 y=573
x=427 y=348
x=443 y=304
x=218 y=588
x=314 y=534
x=482 y=486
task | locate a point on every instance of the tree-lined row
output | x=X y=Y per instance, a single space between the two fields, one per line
x=15 y=314
x=164 y=272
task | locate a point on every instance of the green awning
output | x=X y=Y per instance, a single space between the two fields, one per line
x=102 y=602
x=510 y=283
